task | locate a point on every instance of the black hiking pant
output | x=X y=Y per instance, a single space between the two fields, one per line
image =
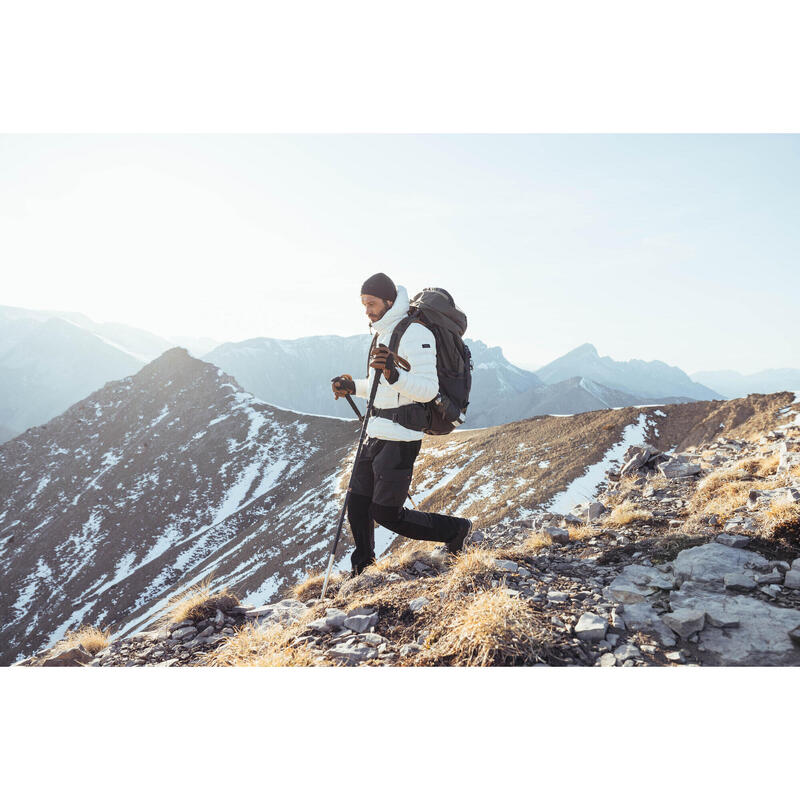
x=381 y=479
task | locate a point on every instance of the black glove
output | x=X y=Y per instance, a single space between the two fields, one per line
x=343 y=385
x=383 y=359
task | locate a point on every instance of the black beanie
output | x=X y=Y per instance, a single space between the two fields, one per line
x=380 y=285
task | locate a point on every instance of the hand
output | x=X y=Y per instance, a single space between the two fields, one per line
x=383 y=359
x=343 y=385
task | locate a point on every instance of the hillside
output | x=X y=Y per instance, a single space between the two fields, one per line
x=155 y=480
x=685 y=558
x=124 y=543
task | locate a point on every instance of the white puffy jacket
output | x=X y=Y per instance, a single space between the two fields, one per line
x=420 y=383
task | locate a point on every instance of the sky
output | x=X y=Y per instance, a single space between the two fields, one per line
x=682 y=248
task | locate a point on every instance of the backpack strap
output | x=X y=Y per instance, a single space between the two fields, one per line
x=402 y=327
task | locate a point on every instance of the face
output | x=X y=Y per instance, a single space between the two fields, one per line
x=375 y=307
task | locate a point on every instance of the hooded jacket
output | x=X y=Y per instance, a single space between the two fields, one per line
x=420 y=384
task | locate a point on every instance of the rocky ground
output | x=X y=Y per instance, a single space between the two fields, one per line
x=643 y=575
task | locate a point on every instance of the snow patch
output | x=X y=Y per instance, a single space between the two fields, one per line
x=584 y=487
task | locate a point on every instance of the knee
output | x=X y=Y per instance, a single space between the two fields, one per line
x=358 y=507
x=385 y=515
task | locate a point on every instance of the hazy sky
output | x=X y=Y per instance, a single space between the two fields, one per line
x=678 y=248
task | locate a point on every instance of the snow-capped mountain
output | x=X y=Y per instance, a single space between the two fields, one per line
x=296 y=373
x=646 y=379
x=155 y=480
x=734 y=384
x=51 y=359
x=47 y=365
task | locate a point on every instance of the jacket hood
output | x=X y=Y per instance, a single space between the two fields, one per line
x=398 y=310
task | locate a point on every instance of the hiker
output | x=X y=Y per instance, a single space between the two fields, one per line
x=382 y=475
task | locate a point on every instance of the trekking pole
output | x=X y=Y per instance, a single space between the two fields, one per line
x=358 y=414
x=365 y=419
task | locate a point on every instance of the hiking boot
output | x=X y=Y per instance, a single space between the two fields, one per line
x=456 y=544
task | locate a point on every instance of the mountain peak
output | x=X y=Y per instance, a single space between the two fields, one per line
x=586 y=349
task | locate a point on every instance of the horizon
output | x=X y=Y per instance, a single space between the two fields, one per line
x=656 y=239
x=529 y=368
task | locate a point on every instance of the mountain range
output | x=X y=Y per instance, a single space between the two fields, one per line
x=50 y=360
x=734 y=384
x=175 y=474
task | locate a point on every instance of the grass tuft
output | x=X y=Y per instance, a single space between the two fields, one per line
x=580 y=533
x=495 y=628
x=92 y=639
x=199 y=601
x=626 y=513
x=256 y=646
x=311 y=587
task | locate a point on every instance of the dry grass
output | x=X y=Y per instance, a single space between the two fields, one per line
x=580 y=533
x=471 y=569
x=254 y=646
x=199 y=601
x=535 y=541
x=92 y=639
x=759 y=467
x=311 y=587
x=626 y=513
x=781 y=520
x=494 y=628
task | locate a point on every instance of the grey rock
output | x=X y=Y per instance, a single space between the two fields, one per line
x=674 y=655
x=335 y=617
x=557 y=597
x=685 y=621
x=733 y=540
x=626 y=651
x=760 y=639
x=642 y=575
x=770 y=577
x=318 y=625
x=624 y=590
x=607 y=660
x=643 y=617
x=361 y=622
x=557 y=535
x=283 y=612
x=678 y=468
x=591 y=627
x=792 y=579
x=418 y=603
x=739 y=581
x=209 y=630
x=710 y=562
x=595 y=510
x=74 y=657
x=506 y=565
x=374 y=639
x=351 y=653
x=720 y=618
x=409 y=649
x=185 y=633
x=219 y=617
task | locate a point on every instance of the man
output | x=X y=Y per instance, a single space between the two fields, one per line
x=382 y=475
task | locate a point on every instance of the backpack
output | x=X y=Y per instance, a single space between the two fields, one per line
x=436 y=310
